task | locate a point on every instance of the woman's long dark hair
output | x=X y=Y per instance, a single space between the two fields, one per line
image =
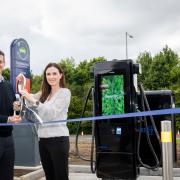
x=46 y=88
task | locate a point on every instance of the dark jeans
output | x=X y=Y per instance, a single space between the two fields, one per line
x=54 y=153
x=7 y=156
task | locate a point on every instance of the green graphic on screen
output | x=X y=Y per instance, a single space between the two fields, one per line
x=112 y=91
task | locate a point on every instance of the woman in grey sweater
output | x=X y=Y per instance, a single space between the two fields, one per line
x=52 y=103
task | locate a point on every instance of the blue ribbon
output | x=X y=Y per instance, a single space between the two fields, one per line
x=96 y=118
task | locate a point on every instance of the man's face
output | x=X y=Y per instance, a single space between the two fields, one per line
x=2 y=63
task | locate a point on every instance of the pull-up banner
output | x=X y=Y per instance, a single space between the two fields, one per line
x=20 y=62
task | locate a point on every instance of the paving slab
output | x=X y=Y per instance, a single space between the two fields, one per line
x=85 y=176
x=83 y=172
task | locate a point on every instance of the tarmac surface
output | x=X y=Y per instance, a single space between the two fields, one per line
x=82 y=172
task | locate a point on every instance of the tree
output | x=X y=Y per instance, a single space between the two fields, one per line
x=161 y=72
x=68 y=66
x=6 y=74
x=83 y=70
x=162 y=69
x=145 y=60
x=36 y=81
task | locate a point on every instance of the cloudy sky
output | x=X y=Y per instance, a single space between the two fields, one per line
x=84 y=29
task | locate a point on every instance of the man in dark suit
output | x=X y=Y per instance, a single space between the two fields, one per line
x=7 y=97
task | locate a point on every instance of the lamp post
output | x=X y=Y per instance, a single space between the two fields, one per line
x=130 y=36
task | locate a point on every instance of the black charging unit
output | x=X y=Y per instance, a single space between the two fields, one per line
x=157 y=99
x=115 y=139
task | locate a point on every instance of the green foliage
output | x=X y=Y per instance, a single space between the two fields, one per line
x=86 y=127
x=6 y=74
x=161 y=72
x=162 y=68
x=83 y=71
x=75 y=107
x=72 y=126
x=36 y=82
x=145 y=60
x=68 y=66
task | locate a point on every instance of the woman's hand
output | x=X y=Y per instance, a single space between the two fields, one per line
x=27 y=96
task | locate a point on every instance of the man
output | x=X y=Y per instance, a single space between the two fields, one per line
x=7 y=97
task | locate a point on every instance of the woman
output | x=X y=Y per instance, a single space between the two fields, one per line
x=52 y=103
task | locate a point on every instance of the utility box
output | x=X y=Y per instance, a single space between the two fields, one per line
x=115 y=139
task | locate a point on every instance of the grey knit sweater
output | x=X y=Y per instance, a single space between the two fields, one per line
x=54 y=109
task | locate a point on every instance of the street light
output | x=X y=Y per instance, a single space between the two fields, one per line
x=130 y=36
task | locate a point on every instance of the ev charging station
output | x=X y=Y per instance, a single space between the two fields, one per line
x=26 y=142
x=157 y=99
x=115 y=139
x=125 y=144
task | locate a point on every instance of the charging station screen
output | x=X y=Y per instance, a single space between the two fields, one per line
x=112 y=94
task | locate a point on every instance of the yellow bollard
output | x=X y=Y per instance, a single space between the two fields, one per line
x=167 y=157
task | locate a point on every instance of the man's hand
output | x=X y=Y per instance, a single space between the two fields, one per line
x=16 y=105
x=14 y=119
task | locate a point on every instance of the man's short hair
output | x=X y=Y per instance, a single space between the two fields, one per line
x=2 y=54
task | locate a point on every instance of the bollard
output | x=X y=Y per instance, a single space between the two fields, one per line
x=167 y=157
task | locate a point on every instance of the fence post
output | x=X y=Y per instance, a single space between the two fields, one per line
x=167 y=157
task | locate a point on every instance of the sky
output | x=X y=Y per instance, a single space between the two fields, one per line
x=85 y=29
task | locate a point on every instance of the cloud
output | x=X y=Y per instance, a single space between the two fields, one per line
x=86 y=29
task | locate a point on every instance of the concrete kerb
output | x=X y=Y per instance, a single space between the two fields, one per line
x=86 y=169
x=37 y=173
x=143 y=171
x=33 y=175
x=148 y=172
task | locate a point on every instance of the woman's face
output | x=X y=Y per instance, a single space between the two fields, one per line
x=53 y=76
